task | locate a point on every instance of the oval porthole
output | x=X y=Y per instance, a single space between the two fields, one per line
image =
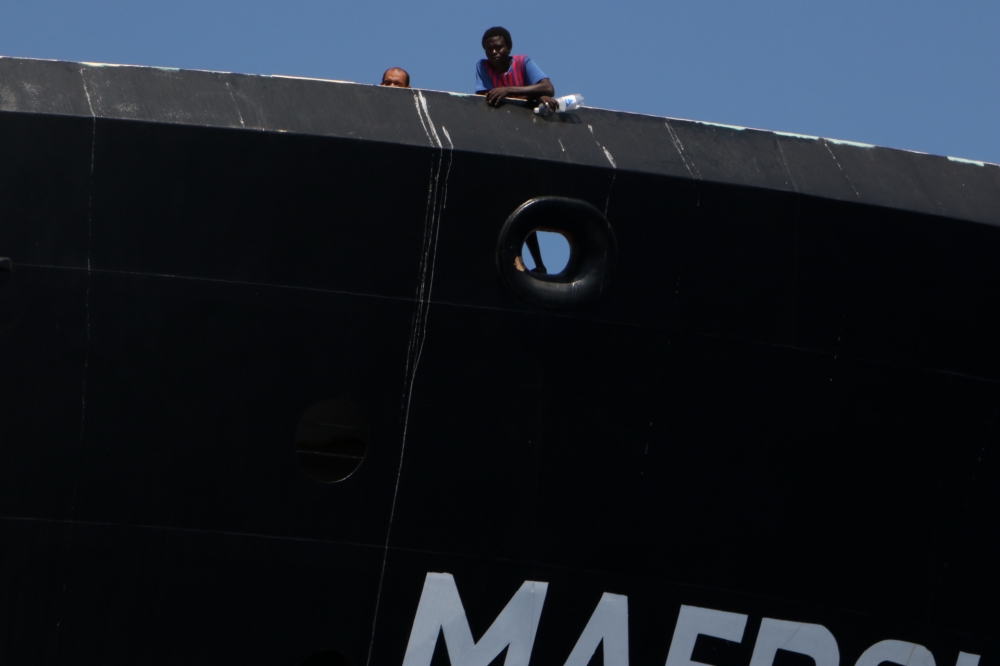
x=328 y=658
x=590 y=252
x=331 y=440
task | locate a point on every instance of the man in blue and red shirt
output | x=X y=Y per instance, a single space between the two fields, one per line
x=500 y=75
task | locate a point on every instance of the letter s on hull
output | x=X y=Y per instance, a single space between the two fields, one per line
x=897 y=652
x=694 y=621
x=441 y=611
x=812 y=640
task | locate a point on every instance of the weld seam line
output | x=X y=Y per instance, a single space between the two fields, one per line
x=436 y=202
x=492 y=308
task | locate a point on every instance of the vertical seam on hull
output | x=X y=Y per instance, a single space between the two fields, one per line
x=437 y=195
x=86 y=345
x=611 y=186
x=795 y=271
x=86 y=300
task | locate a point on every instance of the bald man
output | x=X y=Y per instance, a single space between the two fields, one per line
x=395 y=77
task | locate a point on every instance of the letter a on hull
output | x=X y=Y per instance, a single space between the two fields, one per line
x=608 y=626
x=441 y=611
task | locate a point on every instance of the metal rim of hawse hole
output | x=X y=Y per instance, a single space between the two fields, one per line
x=593 y=251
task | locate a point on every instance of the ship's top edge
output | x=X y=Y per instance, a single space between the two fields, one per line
x=705 y=123
x=791 y=135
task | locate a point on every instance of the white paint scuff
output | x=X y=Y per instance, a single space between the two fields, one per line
x=305 y=78
x=844 y=173
x=614 y=167
x=676 y=140
x=732 y=127
x=965 y=161
x=610 y=157
x=235 y=105
x=607 y=153
x=841 y=142
x=797 y=136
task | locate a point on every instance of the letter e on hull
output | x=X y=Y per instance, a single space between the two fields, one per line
x=693 y=622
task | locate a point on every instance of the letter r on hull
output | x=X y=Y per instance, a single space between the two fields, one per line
x=441 y=611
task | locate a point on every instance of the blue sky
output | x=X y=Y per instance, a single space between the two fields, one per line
x=908 y=74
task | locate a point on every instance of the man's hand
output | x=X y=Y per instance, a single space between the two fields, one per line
x=541 y=91
x=549 y=102
x=495 y=96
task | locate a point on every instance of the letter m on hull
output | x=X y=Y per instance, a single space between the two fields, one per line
x=441 y=611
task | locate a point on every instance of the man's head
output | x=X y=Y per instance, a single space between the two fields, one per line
x=396 y=78
x=497 y=44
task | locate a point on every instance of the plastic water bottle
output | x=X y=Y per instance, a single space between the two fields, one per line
x=566 y=103
x=570 y=102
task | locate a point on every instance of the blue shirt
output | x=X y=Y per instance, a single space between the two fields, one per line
x=533 y=73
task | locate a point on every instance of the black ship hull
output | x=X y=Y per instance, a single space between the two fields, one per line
x=775 y=416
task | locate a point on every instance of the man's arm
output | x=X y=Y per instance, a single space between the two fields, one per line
x=543 y=88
